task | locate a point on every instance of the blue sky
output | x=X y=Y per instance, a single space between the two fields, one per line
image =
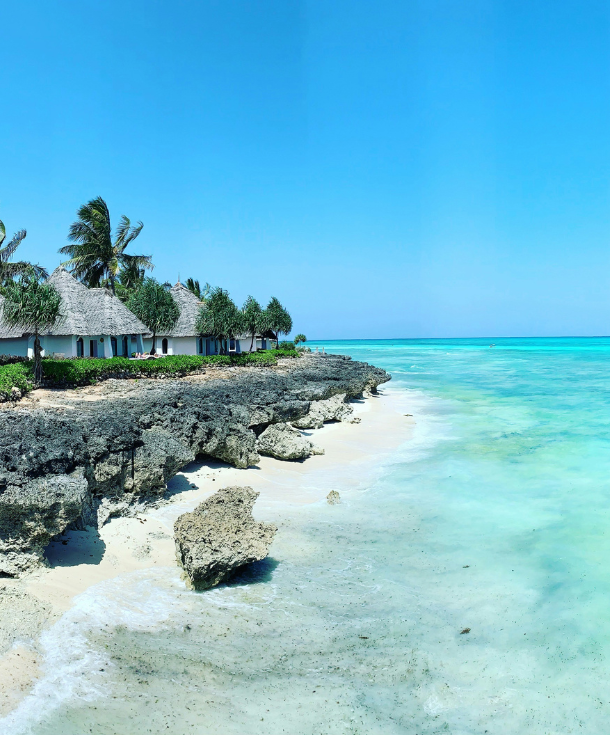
x=387 y=169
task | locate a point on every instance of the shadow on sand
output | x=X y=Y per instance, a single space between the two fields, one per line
x=258 y=572
x=75 y=547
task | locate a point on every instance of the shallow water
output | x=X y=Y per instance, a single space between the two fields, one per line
x=494 y=519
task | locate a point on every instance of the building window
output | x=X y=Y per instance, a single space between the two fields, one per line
x=80 y=347
x=232 y=346
x=164 y=346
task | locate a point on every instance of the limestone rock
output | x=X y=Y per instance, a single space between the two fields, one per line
x=77 y=461
x=333 y=498
x=282 y=441
x=220 y=536
x=331 y=409
x=30 y=516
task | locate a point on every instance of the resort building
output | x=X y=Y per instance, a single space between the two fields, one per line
x=92 y=323
x=184 y=339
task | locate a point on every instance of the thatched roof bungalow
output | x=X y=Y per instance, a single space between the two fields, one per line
x=184 y=339
x=93 y=323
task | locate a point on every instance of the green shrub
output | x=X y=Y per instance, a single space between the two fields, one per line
x=11 y=359
x=19 y=375
x=85 y=371
x=286 y=345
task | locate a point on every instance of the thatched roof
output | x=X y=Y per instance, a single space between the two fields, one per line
x=189 y=306
x=85 y=311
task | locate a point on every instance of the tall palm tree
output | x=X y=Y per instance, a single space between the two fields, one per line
x=94 y=256
x=9 y=270
x=33 y=306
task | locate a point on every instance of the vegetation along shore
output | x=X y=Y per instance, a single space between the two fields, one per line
x=100 y=304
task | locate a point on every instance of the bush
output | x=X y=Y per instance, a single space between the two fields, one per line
x=18 y=375
x=85 y=371
x=286 y=346
x=12 y=359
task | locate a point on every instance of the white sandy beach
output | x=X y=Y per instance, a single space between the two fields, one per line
x=353 y=453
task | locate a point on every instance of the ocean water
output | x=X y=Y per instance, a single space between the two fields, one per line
x=494 y=520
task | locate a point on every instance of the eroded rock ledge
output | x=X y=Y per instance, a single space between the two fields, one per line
x=59 y=466
x=220 y=537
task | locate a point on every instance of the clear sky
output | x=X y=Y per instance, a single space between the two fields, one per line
x=387 y=169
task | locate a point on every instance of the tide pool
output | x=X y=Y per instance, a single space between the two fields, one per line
x=494 y=520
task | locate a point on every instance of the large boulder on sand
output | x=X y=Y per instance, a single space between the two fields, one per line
x=331 y=409
x=282 y=441
x=220 y=536
x=32 y=514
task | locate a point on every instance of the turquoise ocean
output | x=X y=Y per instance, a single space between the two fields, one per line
x=494 y=519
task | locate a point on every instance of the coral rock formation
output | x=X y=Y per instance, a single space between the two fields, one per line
x=220 y=537
x=283 y=442
x=77 y=462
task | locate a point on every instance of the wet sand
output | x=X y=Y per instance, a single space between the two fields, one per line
x=84 y=558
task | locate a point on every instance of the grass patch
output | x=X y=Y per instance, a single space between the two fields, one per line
x=86 y=371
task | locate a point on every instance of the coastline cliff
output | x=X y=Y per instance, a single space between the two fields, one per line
x=77 y=462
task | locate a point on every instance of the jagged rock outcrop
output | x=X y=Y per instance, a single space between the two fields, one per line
x=220 y=537
x=332 y=409
x=32 y=514
x=282 y=441
x=82 y=461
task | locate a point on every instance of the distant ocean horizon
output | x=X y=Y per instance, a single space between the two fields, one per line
x=485 y=341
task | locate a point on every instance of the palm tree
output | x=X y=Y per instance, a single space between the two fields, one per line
x=129 y=280
x=33 y=306
x=279 y=320
x=201 y=293
x=155 y=306
x=8 y=270
x=220 y=318
x=94 y=257
x=255 y=321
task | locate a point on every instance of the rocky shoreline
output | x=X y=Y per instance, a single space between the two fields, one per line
x=80 y=461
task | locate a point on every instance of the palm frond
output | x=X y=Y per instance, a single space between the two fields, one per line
x=2 y=232
x=9 y=271
x=122 y=231
x=137 y=261
x=8 y=250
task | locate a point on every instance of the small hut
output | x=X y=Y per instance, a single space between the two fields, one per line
x=93 y=323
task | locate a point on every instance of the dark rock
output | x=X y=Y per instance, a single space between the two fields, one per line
x=60 y=465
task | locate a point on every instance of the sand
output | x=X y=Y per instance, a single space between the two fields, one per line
x=353 y=454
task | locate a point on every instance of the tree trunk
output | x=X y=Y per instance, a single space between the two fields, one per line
x=252 y=343
x=37 y=361
x=154 y=344
x=112 y=284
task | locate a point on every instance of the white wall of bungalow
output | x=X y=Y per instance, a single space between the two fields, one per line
x=92 y=323
x=184 y=339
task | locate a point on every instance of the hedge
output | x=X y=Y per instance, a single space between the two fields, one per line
x=85 y=371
